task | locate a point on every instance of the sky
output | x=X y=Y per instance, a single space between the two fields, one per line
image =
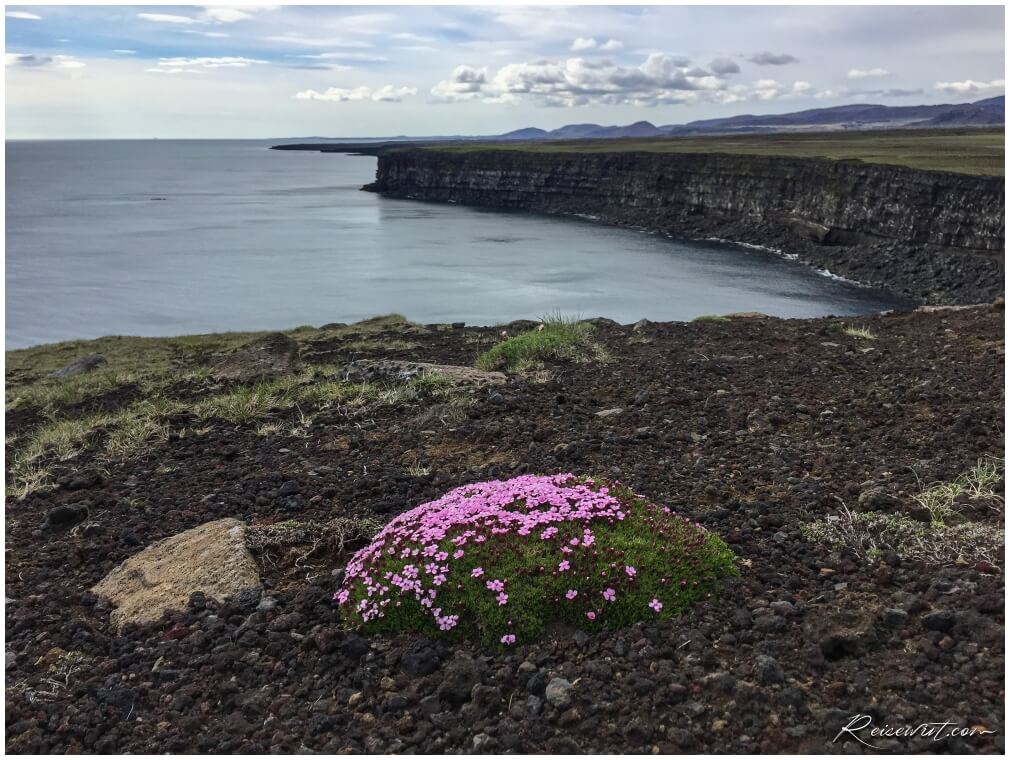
x=345 y=71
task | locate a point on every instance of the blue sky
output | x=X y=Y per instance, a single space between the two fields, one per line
x=261 y=71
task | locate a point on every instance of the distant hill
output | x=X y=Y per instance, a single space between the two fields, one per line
x=982 y=113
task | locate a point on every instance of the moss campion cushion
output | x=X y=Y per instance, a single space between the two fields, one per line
x=503 y=559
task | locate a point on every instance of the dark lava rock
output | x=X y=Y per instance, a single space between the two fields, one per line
x=80 y=366
x=423 y=658
x=458 y=680
x=66 y=515
x=354 y=646
x=939 y=620
x=768 y=670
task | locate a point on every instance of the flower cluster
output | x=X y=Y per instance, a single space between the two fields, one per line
x=531 y=549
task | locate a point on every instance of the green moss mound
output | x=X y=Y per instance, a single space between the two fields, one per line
x=502 y=560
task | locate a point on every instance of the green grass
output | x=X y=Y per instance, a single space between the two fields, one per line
x=967 y=151
x=675 y=562
x=558 y=338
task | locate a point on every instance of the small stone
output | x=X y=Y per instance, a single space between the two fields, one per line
x=939 y=620
x=559 y=693
x=768 y=670
x=609 y=412
x=289 y=488
x=266 y=604
x=894 y=617
x=66 y=515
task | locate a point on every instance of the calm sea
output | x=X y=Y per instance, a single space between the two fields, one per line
x=165 y=237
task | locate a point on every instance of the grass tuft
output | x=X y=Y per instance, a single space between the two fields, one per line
x=558 y=337
x=864 y=333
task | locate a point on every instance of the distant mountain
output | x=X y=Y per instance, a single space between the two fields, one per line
x=982 y=113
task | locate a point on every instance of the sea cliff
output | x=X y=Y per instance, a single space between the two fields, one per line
x=933 y=236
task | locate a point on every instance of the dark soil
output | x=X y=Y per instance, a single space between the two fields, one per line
x=751 y=426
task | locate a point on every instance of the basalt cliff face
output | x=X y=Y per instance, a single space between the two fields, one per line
x=933 y=236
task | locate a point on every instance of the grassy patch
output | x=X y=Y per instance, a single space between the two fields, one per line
x=557 y=338
x=863 y=333
x=968 y=151
x=946 y=538
x=711 y=318
x=619 y=562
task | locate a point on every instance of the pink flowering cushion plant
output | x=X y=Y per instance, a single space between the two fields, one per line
x=502 y=559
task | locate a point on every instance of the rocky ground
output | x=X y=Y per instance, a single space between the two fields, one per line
x=752 y=426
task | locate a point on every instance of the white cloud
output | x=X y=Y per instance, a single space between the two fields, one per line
x=802 y=88
x=385 y=94
x=23 y=15
x=867 y=73
x=209 y=62
x=590 y=43
x=173 y=71
x=202 y=33
x=660 y=79
x=168 y=18
x=971 y=87
x=294 y=38
x=124 y=51
x=226 y=14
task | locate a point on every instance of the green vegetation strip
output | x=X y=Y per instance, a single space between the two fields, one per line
x=964 y=151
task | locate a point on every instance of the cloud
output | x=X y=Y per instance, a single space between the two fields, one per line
x=23 y=15
x=724 y=66
x=227 y=15
x=772 y=59
x=168 y=18
x=802 y=88
x=124 y=51
x=660 y=79
x=590 y=43
x=385 y=94
x=205 y=34
x=29 y=61
x=294 y=38
x=867 y=73
x=209 y=62
x=970 y=87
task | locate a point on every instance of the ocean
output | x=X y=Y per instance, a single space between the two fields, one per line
x=167 y=237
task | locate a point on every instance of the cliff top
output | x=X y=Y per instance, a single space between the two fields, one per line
x=965 y=151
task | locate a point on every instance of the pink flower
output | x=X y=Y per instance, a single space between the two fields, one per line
x=591 y=615
x=457 y=554
x=630 y=571
x=610 y=595
x=477 y=572
x=508 y=639
x=656 y=605
x=563 y=565
x=502 y=599
x=571 y=594
x=495 y=585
